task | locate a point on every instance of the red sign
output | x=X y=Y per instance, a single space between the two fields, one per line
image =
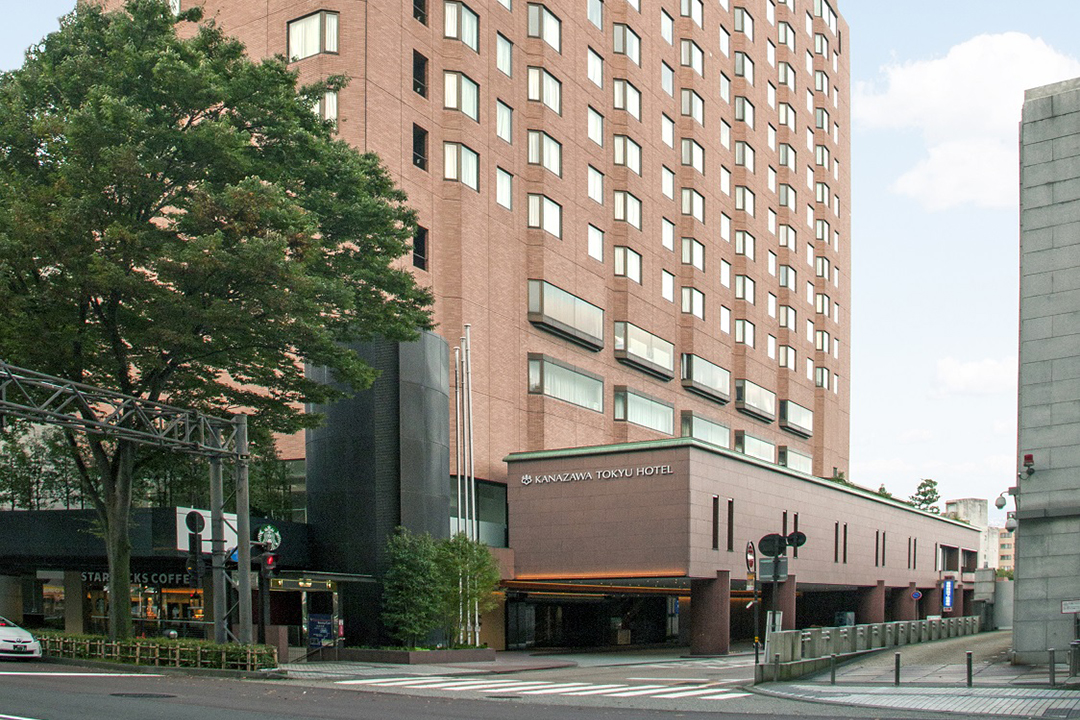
x=751 y=557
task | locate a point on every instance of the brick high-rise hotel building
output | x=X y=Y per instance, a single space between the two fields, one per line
x=641 y=208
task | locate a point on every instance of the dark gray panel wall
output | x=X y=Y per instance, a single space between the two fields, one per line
x=381 y=459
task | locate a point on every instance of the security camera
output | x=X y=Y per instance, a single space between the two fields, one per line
x=1000 y=502
x=1010 y=524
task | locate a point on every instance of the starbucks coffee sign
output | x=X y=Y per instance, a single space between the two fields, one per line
x=607 y=474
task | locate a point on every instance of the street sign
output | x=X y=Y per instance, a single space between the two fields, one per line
x=1070 y=606
x=796 y=539
x=768 y=564
x=916 y=595
x=751 y=579
x=751 y=557
x=194 y=521
x=947 y=587
x=772 y=545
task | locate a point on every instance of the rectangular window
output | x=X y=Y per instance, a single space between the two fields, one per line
x=744 y=332
x=317 y=33
x=628 y=208
x=667 y=27
x=667 y=286
x=693 y=154
x=667 y=78
x=715 y=521
x=744 y=23
x=744 y=155
x=461 y=93
x=504 y=121
x=697 y=427
x=419 y=74
x=796 y=419
x=747 y=444
x=596 y=243
x=562 y=313
x=640 y=409
x=693 y=105
x=786 y=75
x=504 y=188
x=561 y=381
x=836 y=542
x=461 y=23
x=693 y=302
x=546 y=214
x=627 y=263
x=327 y=106
x=730 y=525
x=845 y=543
x=545 y=150
x=627 y=153
x=545 y=25
x=667 y=130
x=596 y=185
x=744 y=199
x=692 y=56
x=786 y=35
x=461 y=163
x=667 y=182
x=693 y=253
x=744 y=67
x=705 y=378
x=419 y=147
x=596 y=12
x=504 y=55
x=744 y=244
x=667 y=234
x=744 y=288
x=693 y=9
x=595 y=68
x=754 y=400
x=627 y=97
x=693 y=203
x=420 y=248
x=545 y=88
x=744 y=111
x=596 y=127
x=626 y=42
x=643 y=350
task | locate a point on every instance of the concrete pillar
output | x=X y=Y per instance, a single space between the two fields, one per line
x=11 y=598
x=74 y=602
x=710 y=615
x=931 y=601
x=786 y=602
x=871 y=604
x=903 y=605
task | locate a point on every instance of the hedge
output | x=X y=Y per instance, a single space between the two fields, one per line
x=159 y=652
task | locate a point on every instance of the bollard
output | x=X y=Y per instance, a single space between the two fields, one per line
x=1053 y=668
x=776 y=667
x=832 y=669
x=969 y=668
x=896 y=674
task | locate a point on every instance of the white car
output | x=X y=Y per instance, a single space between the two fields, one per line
x=16 y=642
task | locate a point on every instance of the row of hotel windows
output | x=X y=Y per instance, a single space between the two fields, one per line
x=559 y=380
x=563 y=313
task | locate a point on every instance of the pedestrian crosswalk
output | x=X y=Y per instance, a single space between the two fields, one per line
x=702 y=691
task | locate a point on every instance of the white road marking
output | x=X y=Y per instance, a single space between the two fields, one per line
x=700 y=680
x=556 y=689
x=519 y=686
x=725 y=696
x=641 y=690
x=76 y=674
x=392 y=682
x=689 y=693
x=600 y=689
x=15 y=717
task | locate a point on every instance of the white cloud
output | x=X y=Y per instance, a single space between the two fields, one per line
x=977 y=377
x=966 y=105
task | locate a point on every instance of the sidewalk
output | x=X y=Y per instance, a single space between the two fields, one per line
x=933 y=677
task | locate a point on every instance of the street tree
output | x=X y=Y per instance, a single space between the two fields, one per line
x=926 y=496
x=411 y=597
x=178 y=225
x=468 y=576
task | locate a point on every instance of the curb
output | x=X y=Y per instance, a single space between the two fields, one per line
x=270 y=674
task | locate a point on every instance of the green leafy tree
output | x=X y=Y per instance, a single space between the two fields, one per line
x=926 y=496
x=411 y=599
x=468 y=576
x=177 y=224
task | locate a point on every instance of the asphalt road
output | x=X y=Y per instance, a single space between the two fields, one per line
x=42 y=691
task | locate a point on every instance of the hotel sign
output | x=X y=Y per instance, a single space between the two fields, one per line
x=947 y=588
x=606 y=474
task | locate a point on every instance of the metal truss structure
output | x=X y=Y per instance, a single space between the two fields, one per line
x=50 y=400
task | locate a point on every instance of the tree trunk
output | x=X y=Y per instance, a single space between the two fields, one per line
x=117 y=479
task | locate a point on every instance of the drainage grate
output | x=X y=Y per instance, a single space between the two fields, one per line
x=141 y=695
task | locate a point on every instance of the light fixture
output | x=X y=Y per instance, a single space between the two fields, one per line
x=1029 y=464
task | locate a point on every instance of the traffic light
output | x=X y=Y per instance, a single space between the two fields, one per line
x=268 y=564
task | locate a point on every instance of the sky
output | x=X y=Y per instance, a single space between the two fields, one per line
x=937 y=89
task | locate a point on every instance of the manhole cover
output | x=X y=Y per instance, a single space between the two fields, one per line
x=141 y=695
